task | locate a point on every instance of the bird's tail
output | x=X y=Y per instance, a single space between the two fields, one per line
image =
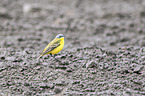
x=39 y=56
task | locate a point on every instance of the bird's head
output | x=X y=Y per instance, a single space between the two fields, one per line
x=59 y=36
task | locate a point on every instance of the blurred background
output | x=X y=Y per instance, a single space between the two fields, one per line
x=104 y=23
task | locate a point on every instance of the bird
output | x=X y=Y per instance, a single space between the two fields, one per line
x=54 y=47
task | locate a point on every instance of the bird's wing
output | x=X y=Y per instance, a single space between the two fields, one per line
x=54 y=44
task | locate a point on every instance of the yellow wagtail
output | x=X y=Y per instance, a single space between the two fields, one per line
x=54 y=46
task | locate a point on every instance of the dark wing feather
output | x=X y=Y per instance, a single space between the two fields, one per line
x=52 y=47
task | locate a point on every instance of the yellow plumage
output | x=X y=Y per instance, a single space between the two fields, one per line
x=54 y=46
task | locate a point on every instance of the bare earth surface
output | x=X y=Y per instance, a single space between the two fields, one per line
x=104 y=52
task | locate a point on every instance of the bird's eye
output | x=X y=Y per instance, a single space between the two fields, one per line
x=60 y=36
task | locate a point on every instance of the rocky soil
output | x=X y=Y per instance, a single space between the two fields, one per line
x=104 y=52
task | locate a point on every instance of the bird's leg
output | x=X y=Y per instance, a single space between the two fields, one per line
x=55 y=58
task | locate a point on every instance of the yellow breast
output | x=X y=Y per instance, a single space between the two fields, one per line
x=59 y=48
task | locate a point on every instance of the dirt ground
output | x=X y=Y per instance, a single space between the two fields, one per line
x=104 y=52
